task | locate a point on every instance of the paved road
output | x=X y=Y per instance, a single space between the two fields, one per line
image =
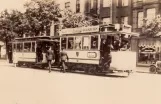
x=33 y=86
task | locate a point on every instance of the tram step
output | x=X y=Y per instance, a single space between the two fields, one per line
x=108 y=71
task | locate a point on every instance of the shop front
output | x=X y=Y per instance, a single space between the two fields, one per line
x=148 y=51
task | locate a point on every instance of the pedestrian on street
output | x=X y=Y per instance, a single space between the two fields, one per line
x=64 y=58
x=49 y=56
x=15 y=58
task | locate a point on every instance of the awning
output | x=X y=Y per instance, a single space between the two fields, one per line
x=148 y=52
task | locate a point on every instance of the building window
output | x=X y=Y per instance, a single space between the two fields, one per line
x=124 y=20
x=140 y=19
x=151 y=13
x=92 y=3
x=67 y=5
x=77 y=6
x=117 y=2
x=106 y=21
x=107 y=3
x=125 y=2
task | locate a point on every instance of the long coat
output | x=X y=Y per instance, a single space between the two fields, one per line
x=50 y=55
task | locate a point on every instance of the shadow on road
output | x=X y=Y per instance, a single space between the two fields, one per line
x=74 y=72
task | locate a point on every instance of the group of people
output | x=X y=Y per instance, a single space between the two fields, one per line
x=106 y=57
x=63 y=58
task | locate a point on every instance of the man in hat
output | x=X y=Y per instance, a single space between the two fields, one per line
x=49 y=56
x=64 y=58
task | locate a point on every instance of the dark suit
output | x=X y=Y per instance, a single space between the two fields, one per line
x=63 y=58
x=49 y=57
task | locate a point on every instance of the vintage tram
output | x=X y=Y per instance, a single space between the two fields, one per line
x=83 y=47
x=31 y=51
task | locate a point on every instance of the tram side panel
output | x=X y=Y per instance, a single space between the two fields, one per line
x=29 y=57
x=18 y=57
x=84 y=57
x=121 y=60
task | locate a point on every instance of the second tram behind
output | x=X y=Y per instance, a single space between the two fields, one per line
x=32 y=51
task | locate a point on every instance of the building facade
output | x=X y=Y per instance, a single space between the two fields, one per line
x=76 y=6
x=131 y=12
x=144 y=9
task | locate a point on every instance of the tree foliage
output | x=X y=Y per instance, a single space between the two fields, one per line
x=35 y=20
x=8 y=24
x=152 y=28
x=72 y=20
x=40 y=14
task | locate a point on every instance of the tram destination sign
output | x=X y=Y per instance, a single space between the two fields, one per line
x=88 y=29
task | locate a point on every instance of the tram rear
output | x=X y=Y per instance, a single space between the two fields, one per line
x=123 y=59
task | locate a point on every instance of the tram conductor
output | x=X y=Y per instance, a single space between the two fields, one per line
x=49 y=56
x=106 y=53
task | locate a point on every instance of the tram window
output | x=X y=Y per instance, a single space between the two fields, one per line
x=78 y=42
x=70 y=43
x=19 y=47
x=14 y=46
x=27 y=47
x=33 y=46
x=94 y=42
x=63 y=43
x=85 y=42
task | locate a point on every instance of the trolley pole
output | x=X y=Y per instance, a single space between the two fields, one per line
x=111 y=10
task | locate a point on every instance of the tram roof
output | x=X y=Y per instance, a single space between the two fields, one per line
x=120 y=32
x=35 y=37
x=47 y=40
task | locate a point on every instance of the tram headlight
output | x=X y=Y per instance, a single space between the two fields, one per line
x=92 y=55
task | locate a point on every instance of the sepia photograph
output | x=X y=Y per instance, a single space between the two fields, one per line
x=80 y=51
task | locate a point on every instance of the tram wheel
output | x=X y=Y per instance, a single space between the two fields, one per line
x=128 y=72
x=86 y=71
x=153 y=69
x=19 y=64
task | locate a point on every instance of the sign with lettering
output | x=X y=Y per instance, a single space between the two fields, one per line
x=148 y=50
x=88 y=29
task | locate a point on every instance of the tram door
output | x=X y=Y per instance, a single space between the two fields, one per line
x=41 y=50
